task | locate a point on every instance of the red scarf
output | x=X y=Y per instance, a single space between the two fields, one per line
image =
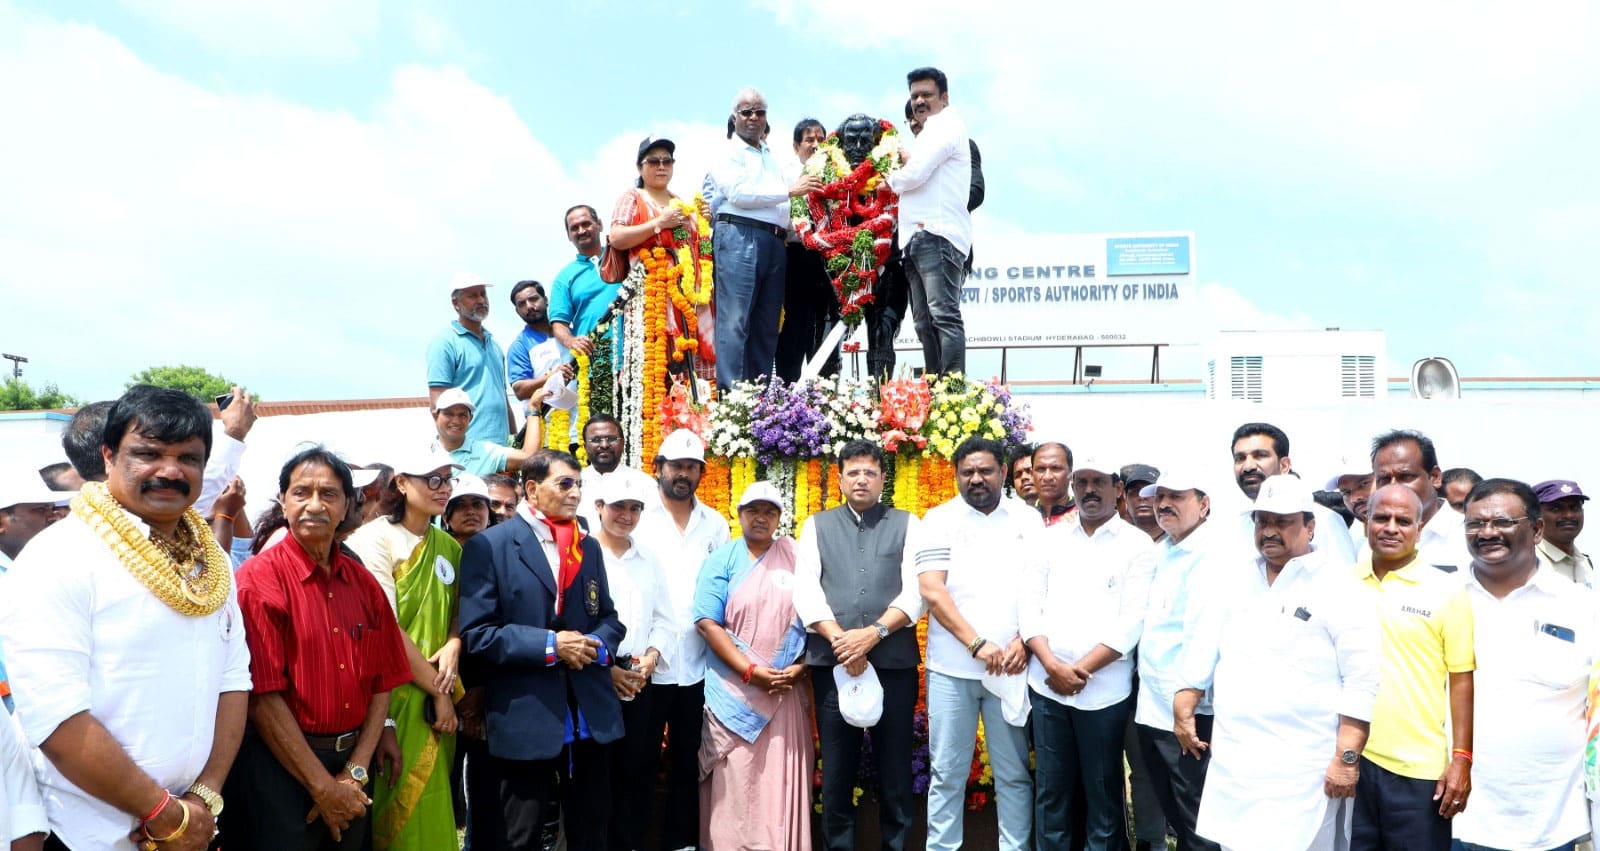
x=569 y=547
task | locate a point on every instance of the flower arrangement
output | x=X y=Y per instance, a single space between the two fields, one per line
x=960 y=409
x=787 y=422
x=850 y=220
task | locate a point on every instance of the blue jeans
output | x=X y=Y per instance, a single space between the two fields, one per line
x=750 y=268
x=1079 y=749
x=954 y=706
x=934 y=271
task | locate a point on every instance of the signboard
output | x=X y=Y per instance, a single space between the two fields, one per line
x=1077 y=289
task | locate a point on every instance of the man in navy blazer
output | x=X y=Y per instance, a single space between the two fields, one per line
x=542 y=656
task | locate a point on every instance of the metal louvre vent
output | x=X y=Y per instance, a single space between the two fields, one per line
x=1358 y=377
x=1244 y=377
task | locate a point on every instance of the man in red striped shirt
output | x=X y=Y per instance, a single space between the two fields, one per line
x=324 y=652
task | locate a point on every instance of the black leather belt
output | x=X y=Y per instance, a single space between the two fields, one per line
x=337 y=744
x=748 y=222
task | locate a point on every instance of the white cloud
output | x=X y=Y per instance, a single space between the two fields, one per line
x=306 y=29
x=299 y=250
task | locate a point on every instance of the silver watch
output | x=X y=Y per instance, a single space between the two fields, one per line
x=1349 y=757
x=883 y=631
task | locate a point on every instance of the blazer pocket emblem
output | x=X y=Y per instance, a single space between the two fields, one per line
x=591 y=598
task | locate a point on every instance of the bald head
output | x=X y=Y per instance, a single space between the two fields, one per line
x=1394 y=522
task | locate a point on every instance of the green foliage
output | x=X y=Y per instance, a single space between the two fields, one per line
x=193 y=380
x=16 y=395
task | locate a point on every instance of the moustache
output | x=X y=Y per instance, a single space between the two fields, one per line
x=1272 y=540
x=178 y=485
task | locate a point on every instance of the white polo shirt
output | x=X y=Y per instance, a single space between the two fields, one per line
x=983 y=555
x=680 y=554
x=1080 y=591
x=1283 y=662
x=1528 y=723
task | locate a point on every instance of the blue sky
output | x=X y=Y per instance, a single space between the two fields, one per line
x=280 y=191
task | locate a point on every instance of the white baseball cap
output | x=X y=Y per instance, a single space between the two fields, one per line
x=22 y=486
x=1174 y=478
x=624 y=485
x=466 y=281
x=762 y=491
x=454 y=396
x=683 y=445
x=466 y=484
x=426 y=461
x=1356 y=461
x=1284 y=495
x=1091 y=462
x=860 y=696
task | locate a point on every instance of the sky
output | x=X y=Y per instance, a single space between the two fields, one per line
x=280 y=192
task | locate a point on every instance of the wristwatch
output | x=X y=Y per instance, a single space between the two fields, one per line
x=883 y=631
x=356 y=772
x=1349 y=757
x=389 y=723
x=212 y=800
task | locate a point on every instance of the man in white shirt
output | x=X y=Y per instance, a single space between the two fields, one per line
x=1192 y=557
x=970 y=554
x=1408 y=458
x=1290 y=652
x=1534 y=633
x=680 y=532
x=1261 y=450
x=935 y=224
x=748 y=236
x=125 y=643
x=1082 y=609
x=856 y=592
x=603 y=446
x=1561 y=504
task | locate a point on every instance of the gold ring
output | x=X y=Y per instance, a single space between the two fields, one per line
x=147 y=845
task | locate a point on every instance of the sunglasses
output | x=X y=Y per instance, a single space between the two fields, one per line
x=752 y=113
x=659 y=160
x=567 y=483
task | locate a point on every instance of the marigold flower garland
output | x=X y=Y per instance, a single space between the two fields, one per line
x=581 y=363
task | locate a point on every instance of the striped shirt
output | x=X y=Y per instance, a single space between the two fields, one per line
x=326 y=639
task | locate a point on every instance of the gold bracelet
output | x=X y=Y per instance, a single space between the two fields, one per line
x=182 y=826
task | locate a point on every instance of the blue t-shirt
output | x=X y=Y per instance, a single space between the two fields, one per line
x=578 y=297
x=519 y=367
x=481 y=458
x=457 y=358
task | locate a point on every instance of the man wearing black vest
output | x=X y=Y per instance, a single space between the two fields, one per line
x=858 y=597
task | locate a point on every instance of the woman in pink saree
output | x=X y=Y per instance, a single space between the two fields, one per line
x=755 y=752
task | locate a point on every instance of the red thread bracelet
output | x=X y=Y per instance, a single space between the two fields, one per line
x=1462 y=752
x=160 y=805
x=748 y=671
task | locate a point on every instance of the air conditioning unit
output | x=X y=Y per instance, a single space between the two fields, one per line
x=1297 y=367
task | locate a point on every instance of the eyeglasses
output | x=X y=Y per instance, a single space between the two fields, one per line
x=659 y=160
x=567 y=483
x=1498 y=524
x=605 y=440
x=433 y=482
x=752 y=113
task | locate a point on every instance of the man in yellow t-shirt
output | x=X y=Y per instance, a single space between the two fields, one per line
x=1413 y=776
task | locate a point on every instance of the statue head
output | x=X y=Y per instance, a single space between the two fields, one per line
x=857 y=135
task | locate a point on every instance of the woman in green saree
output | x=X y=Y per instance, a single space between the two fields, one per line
x=416 y=562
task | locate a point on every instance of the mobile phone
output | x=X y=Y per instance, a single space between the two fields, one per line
x=1561 y=632
x=223 y=400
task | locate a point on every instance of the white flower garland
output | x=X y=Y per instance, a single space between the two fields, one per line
x=630 y=389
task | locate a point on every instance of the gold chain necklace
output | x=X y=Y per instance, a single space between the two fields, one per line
x=160 y=567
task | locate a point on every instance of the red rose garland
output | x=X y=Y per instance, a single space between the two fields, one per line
x=854 y=254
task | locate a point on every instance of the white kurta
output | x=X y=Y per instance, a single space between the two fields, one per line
x=81 y=634
x=1285 y=661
